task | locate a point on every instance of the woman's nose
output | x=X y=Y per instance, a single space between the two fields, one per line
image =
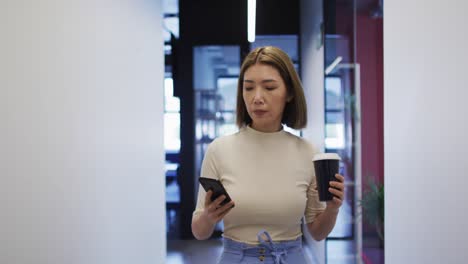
x=258 y=96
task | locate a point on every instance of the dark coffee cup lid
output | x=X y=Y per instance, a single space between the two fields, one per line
x=326 y=156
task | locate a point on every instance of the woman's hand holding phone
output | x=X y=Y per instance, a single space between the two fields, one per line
x=214 y=211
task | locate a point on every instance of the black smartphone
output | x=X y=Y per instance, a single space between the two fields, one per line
x=217 y=188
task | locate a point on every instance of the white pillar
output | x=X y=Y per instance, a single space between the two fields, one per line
x=81 y=141
x=425 y=128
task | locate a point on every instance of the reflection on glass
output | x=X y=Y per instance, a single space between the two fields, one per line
x=333 y=93
x=288 y=43
x=339 y=131
x=292 y=131
x=334 y=114
x=171 y=103
x=171 y=118
x=216 y=70
x=334 y=136
x=345 y=217
x=229 y=124
x=227 y=87
x=172 y=132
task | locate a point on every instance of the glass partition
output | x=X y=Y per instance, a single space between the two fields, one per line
x=353 y=32
x=216 y=69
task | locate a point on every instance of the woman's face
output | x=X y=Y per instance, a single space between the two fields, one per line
x=265 y=96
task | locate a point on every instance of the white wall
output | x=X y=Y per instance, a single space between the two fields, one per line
x=81 y=143
x=312 y=74
x=425 y=126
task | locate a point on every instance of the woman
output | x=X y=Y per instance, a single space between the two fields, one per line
x=267 y=171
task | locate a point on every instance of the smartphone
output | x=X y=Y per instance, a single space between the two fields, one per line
x=217 y=188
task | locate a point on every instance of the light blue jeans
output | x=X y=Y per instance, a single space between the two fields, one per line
x=267 y=252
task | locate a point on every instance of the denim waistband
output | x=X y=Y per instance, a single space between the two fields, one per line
x=277 y=250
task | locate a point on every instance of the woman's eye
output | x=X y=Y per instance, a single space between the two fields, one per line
x=248 y=88
x=270 y=88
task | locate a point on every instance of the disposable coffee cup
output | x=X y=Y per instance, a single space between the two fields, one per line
x=326 y=165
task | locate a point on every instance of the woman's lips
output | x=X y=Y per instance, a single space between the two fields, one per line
x=259 y=112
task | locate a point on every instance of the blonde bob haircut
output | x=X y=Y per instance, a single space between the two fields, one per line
x=295 y=111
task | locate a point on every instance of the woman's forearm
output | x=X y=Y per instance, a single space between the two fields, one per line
x=201 y=228
x=323 y=224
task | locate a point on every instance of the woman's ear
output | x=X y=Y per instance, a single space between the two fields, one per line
x=289 y=99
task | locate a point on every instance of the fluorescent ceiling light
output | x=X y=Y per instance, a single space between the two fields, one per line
x=251 y=12
x=332 y=66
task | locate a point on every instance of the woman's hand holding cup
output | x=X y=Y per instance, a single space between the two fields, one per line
x=337 y=189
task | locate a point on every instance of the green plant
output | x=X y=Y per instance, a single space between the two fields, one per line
x=372 y=204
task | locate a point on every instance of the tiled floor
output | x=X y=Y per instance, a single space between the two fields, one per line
x=193 y=251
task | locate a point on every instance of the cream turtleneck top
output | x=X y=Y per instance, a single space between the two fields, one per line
x=270 y=177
